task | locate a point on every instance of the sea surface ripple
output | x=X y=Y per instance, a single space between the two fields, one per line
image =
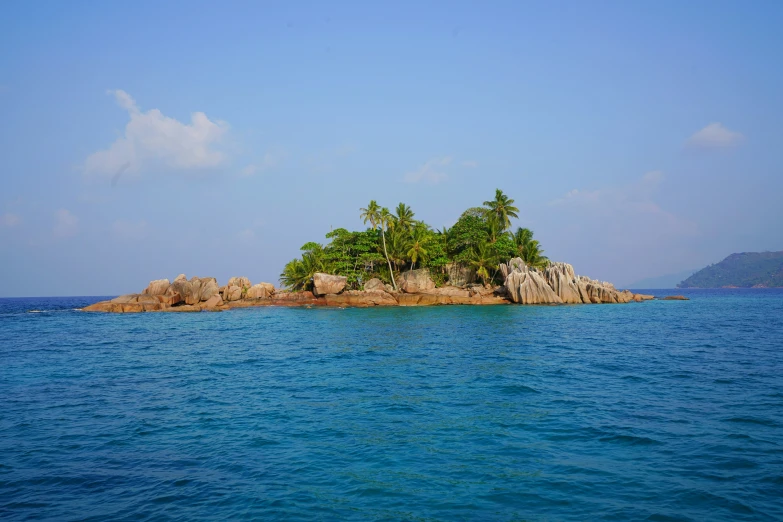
x=653 y=411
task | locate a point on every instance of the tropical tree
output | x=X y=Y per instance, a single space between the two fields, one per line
x=372 y=214
x=397 y=245
x=384 y=220
x=493 y=228
x=522 y=237
x=420 y=238
x=471 y=229
x=353 y=254
x=501 y=209
x=483 y=259
x=534 y=255
x=380 y=218
x=298 y=273
x=403 y=217
x=294 y=276
x=529 y=249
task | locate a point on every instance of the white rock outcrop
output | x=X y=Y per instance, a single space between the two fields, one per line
x=557 y=284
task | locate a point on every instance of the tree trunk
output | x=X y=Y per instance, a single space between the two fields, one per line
x=391 y=272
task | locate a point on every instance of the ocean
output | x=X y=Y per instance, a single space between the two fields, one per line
x=664 y=410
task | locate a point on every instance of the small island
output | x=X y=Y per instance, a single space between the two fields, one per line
x=397 y=261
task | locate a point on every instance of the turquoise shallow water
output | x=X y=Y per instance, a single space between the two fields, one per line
x=656 y=411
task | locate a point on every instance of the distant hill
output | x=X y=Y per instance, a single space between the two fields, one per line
x=744 y=270
x=663 y=281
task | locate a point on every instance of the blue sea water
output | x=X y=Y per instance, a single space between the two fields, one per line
x=650 y=411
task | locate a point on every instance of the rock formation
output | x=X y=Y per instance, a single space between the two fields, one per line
x=157 y=287
x=415 y=281
x=374 y=284
x=558 y=284
x=235 y=289
x=324 y=284
x=260 y=291
x=527 y=286
x=459 y=274
x=554 y=285
x=361 y=299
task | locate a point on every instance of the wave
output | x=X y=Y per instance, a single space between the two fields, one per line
x=753 y=420
x=631 y=440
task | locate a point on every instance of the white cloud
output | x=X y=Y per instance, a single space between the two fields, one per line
x=431 y=172
x=714 y=136
x=66 y=224
x=153 y=140
x=129 y=230
x=9 y=220
x=470 y=164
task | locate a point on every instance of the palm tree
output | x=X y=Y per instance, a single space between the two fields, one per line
x=397 y=245
x=371 y=213
x=298 y=273
x=494 y=228
x=529 y=249
x=403 y=217
x=501 y=209
x=294 y=276
x=417 y=246
x=522 y=237
x=483 y=258
x=534 y=255
x=379 y=218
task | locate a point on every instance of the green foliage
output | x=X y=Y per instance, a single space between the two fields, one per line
x=499 y=211
x=354 y=255
x=743 y=270
x=484 y=259
x=403 y=217
x=470 y=229
x=298 y=273
x=504 y=247
x=398 y=242
x=529 y=249
x=437 y=249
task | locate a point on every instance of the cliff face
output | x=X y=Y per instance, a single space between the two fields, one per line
x=743 y=270
x=556 y=285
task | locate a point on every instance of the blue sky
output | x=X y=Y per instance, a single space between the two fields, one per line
x=144 y=139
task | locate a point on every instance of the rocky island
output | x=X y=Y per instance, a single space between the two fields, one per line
x=397 y=261
x=523 y=284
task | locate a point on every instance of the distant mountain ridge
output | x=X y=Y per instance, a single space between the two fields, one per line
x=742 y=270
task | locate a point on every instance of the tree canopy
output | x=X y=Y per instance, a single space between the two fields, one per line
x=394 y=242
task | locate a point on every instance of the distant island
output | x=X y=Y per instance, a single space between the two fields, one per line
x=742 y=270
x=397 y=261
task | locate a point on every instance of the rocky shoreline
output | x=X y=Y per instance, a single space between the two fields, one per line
x=557 y=284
